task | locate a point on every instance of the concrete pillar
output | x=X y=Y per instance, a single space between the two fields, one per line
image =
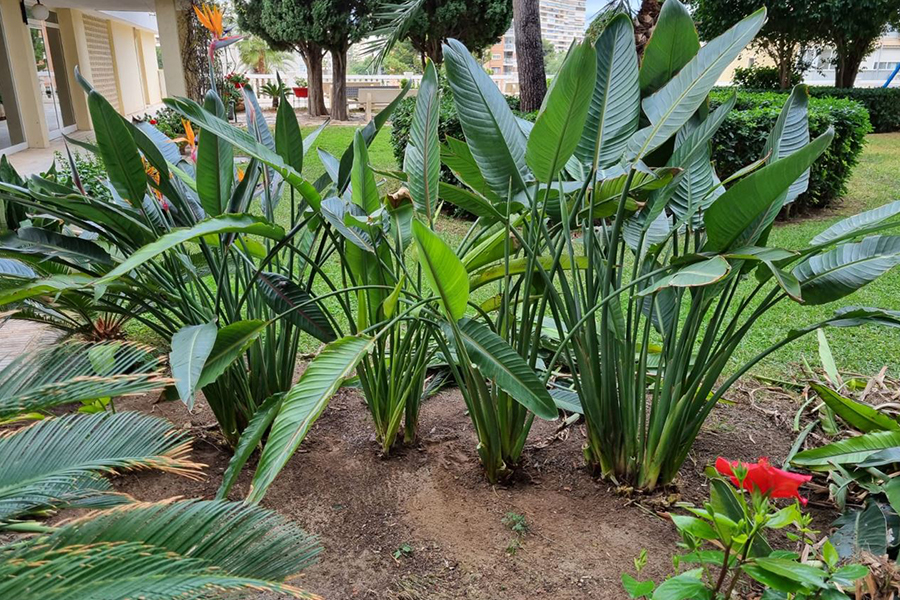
x=24 y=75
x=71 y=26
x=167 y=19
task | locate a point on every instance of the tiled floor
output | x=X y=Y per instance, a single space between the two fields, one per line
x=37 y=160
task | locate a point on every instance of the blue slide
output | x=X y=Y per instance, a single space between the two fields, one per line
x=893 y=74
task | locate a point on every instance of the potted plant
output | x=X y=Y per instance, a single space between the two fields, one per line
x=233 y=84
x=274 y=90
x=301 y=89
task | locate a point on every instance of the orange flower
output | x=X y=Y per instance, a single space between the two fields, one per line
x=189 y=138
x=211 y=18
x=240 y=174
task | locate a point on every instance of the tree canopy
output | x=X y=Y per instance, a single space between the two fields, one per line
x=475 y=23
x=790 y=28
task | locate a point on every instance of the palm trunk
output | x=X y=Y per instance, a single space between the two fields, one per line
x=644 y=24
x=339 y=84
x=529 y=54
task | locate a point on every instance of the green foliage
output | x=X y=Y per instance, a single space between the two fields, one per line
x=167 y=121
x=761 y=78
x=883 y=104
x=743 y=135
x=726 y=539
x=438 y=21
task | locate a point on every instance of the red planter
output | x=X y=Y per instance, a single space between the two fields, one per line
x=301 y=92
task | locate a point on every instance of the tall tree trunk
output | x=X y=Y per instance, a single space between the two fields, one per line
x=529 y=54
x=644 y=23
x=339 y=84
x=849 y=60
x=785 y=64
x=312 y=56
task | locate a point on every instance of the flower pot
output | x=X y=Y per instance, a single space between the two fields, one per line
x=301 y=92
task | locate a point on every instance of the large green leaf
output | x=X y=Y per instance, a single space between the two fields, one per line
x=117 y=148
x=492 y=133
x=288 y=139
x=670 y=108
x=741 y=206
x=215 y=163
x=519 y=265
x=469 y=201
x=846 y=268
x=45 y=286
x=250 y=439
x=673 y=44
x=246 y=224
x=443 y=270
x=499 y=362
x=231 y=341
x=850 y=451
x=699 y=186
x=791 y=134
x=283 y=295
x=615 y=105
x=686 y=586
x=364 y=190
x=858 y=222
x=560 y=123
x=50 y=244
x=423 y=153
x=191 y=347
x=857 y=415
x=698 y=274
x=458 y=158
x=303 y=404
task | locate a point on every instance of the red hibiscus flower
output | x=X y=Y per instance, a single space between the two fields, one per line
x=769 y=480
x=153 y=121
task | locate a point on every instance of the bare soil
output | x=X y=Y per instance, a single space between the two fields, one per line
x=432 y=498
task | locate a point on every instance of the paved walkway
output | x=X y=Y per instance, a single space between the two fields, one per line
x=20 y=337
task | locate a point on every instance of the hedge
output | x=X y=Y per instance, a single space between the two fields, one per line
x=738 y=143
x=883 y=104
x=742 y=137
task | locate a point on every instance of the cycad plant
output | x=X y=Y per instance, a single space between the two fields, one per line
x=653 y=270
x=172 y=549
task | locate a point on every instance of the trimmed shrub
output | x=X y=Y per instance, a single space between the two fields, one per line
x=761 y=78
x=883 y=104
x=742 y=137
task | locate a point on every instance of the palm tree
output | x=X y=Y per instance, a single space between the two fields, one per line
x=256 y=54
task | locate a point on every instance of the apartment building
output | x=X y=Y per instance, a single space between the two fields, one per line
x=562 y=22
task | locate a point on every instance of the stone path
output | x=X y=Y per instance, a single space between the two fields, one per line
x=19 y=337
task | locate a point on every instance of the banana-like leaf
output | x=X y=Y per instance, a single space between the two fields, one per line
x=35 y=240
x=673 y=44
x=848 y=226
x=443 y=270
x=45 y=286
x=491 y=249
x=850 y=451
x=670 y=108
x=740 y=208
x=873 y=529
x=857 y=415
x=288 y=140
x=458 y=158
x=13 y=268
x=310 y=140
x=191 y=346
x=246 y=224
x=334 y=210
x=250 y=440
x=615 y=105
x=43 y=464
x=846 y=268
x=470 y=202
x=698 y=274
x=560 y=123
x=362 y=180
x=492 y=133
x=283 y=295
x=231 y=341
x=116 y=146
x=699 y=186
x=303 y=404
x=423 y=153
x=499 y=362
x=790 y=134
x=215 y=163
x=71 y=372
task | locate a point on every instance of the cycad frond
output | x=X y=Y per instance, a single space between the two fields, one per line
x=392 y=22
x=46 y=464
x=77 y=371
x=39 y=570
x=241 y=539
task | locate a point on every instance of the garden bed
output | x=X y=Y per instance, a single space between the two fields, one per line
x=426 y=524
